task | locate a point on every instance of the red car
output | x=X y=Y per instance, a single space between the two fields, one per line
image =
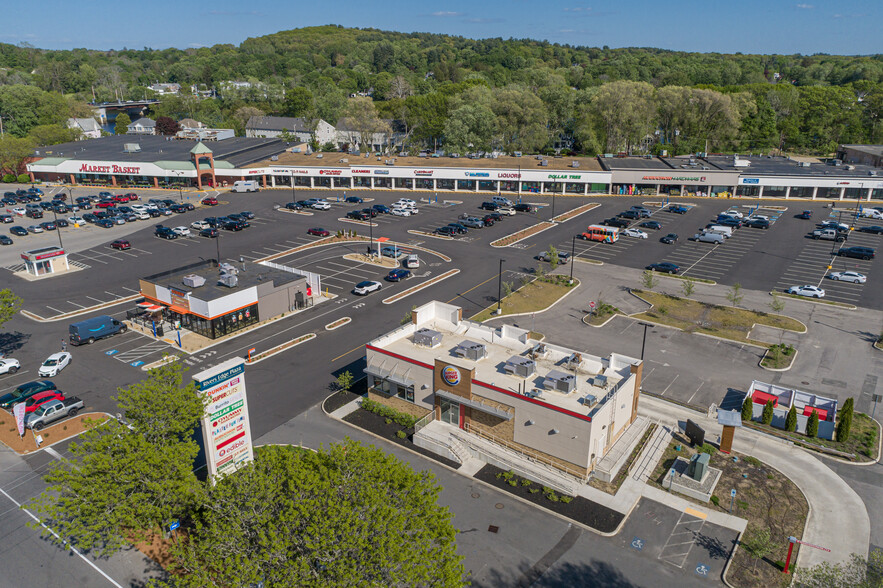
x=34 y=402
x=132 y=196
x=210 y=201
x=105 y=203
x=121 y=244
x=120 y=198
x=318 y=232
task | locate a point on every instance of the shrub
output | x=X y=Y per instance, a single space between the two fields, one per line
x=715 y=500
x=767 y=417
x=392 y=414
x=8 y=179
x=791 y=420
x=747 y=408
x=844 y=422
x=812 y=426
x=752 y=461
x=401 y=434
x=648 y=280
x=525 y=482
x=708 y=448
x=24 y=179
x=566 y=499
x=533 y=490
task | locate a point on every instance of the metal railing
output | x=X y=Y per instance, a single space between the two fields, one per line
x=428 y=418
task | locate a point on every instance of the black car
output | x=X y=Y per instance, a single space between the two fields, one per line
x=730 y=222
x=178 y=208
x=62 y=222
x=246 y=214
x=616 y=222
x=48 y=226
x=24 y=392
x=105 y=223
x=90 y=218
x=47 y=205
x=9 y=201
x=34 y=213
x=758 y=223
x=630 y=214
x=489 y=206
x=304 y=204
x=496 y=216
x=293 y=206
x=353 y=200
x=358 y=215
x=857 y=252
x=4 y=240
x=209 y=232
x=168 y=202
x=189 y=206
x=381 y=208
x=154 y=213
x=670 y=238
x=458 y=228
x=6 y=218
x=521 y=207
x=165 y=232
x=370 y=212
x=664 y=267
x=232 y=225
x=655 y=225
x=446 y=231
x=243 y=224
x=18 y=231
x=873 y=229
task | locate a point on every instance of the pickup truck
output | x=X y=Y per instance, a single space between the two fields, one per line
x=53 y=411
x=828 y=234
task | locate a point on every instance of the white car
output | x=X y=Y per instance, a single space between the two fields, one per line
x=54 y=364
x=181 y=231
x=9 y=366
x=404 y=202
x=734 y=213
x=854 y=277
x=759 y=217
x=141 y=215
x=506 y=210
x=76 y=220
x=809 y=291
x=366 y=287
x=140 y=207
x=199 y=225
x=400 y=212
x=321 y=205
x=19 y=210
x=634 y=233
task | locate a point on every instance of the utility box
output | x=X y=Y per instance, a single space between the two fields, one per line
x=698 y=466
x=427 y=338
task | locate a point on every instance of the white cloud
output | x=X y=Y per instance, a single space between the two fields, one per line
x=446 y=13
x=578 y=9
x=805 y=6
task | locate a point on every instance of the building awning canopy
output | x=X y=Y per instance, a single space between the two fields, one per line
x=497 y=412
x=395 y=373
x=144 y=304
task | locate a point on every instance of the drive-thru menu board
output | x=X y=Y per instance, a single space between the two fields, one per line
x=225 y=428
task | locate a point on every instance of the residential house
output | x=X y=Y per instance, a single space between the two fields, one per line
x=163 y=89
x=142 y=126
x=302 y=130
x=89 y=127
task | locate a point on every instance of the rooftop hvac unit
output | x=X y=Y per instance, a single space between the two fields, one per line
x=538 y=351
x=228 y=268
x=274 y=158
x=520 y=366
x=471 y=350
x=803 y=164
x=588 y=400
x=319 y=156
x=427 y=338
x=344 y=160
x=599 y=381
x=574 y=360
x=194 y=281
x=574 y=164
x=131 y=148
x=560 y=382
x=228 y=280
x=535 y=393
x=544 y=163
x=741 y=163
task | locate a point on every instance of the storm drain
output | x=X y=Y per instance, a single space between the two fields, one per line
x=493 y=529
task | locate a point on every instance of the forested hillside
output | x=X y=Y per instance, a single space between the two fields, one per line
x=462 y=93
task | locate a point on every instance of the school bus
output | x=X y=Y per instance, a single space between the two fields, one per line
x=601 y=233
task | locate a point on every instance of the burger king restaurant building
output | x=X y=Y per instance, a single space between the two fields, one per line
x=487 y=389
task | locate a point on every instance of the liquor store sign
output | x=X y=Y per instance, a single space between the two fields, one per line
x=225 y=427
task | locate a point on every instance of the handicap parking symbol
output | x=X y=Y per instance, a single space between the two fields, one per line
x=638 y=543
x=111 y=352
x=702 y=570
x=136 y=363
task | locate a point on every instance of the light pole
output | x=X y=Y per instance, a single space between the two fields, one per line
x=572 y=258
x=500 y=288
x=218 y=245
x=292 y=188
x=371 y=230
x=644 y=342
x=57 y=229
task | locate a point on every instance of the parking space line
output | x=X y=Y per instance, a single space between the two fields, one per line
x=96 y=300
x=131 y=290
x=55 y=309
x=75 y=304
x=670 y=384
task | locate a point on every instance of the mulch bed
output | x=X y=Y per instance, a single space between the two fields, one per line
x=580 y=509
x=338 y=399
x=378 y=425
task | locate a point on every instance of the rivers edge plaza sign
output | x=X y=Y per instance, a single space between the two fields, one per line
x=226 y=432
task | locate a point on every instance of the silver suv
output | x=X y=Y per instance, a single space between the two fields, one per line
x=472 y=222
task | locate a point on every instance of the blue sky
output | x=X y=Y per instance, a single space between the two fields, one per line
x=725 y=26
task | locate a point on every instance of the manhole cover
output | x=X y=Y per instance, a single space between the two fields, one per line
x=493 y=528
x=498 y=505
x=475 y=495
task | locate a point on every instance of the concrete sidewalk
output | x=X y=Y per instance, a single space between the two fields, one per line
x=837 y=518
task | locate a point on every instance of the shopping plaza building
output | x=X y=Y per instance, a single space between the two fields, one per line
x=156 y=161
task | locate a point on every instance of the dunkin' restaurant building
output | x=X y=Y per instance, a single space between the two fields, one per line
x=488 y=387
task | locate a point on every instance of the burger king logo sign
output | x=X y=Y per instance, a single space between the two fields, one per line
x=451 y=375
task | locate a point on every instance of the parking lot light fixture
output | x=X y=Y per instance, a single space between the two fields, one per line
x=58 y=229
x=500 y=288
x=644 y=341
x=572 y=258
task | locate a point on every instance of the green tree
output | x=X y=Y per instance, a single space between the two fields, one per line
x=758 y=543
x=363 y=123
x=43 y=135
x=122 y=123
x=747 y=408
x=553 y=257
x=626 y=110
x=648 y=279
x=287 y=512
x=14 y=152
x=844 y=420
x=791 y=420
x=688 y=286
x=767 y=416
x=812 y=425
x=470 y=127
x=299 y=102
x=10 y=304
x=734 y=294
x=777 y=305
x=521 y=119
x=345 y=380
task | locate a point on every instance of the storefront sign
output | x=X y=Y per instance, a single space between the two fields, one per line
x=300 y=172
x=750 y=180
x=180 y=299
x=451 y=375
x=565 y=177
x=33 y=256
x=329 y=172
x=478 y=175
x=225 y=426
x=361 y=171
x=423 y=172
x=109 y=169
x=508 y=175
x=255 y=171
x=675 y=178
x=381 y=172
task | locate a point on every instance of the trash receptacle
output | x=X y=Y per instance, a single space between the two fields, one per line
x=159 y=331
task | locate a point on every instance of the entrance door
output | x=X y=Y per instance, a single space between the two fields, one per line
x=450 y=412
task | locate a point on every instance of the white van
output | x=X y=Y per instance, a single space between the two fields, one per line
x=245 y=186
x=502 y=201
x=720 y=229
x=715 y=238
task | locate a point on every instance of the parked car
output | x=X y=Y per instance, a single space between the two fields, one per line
x=398 y=211
x=90 y=330
x=638 y=233
x=178 y=208
x=808 y=290
x=629 y=214
x=871 y=213
x=318 y=232
x=446 y=231
x=165 y=232
x=849 y=276
x=353 y=200
x=458 y=228
x=758 y=223
x=209 y=232
x=398 y=275
x=370 y=212
x=25 y=391
x=9 y=365
x=41 y=398
x=670 y=238
x=730 y=222
x=121 y=244
x=489 y=206
x=232 y=225
x=655 y=225
x=873 y=229
x=381 y=208
x=35 y=229
x=664 y=267
x=472 y=222
x=199 y=225
x=521 y=207
x=209 y=201
x=52 y=411
x=392 y=251
x=678 y=209
x=4 y=240
x=366 y=287
x=563 y=257
x=616 y=222
x=358 y=215
x=829 y=224
x=488 y=220
x=54 y=364
x=293 y=206
x=19 y=231
x=6 y=218
x=321 y=205
x=105 y=223
x=506 y=211
x=246 y=214
x=707 y=237
x=856 y=252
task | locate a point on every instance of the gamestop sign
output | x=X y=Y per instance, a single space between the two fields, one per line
x=225 y=428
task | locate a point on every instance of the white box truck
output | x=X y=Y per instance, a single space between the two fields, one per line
x=245 y=186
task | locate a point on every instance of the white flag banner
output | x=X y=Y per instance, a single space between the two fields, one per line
x=19 y=412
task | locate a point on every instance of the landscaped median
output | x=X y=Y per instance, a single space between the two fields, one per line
x=779 y=358
x=566 y=216
x=420 y=286
x=338 y=323
x=535 y=296
x=279 y=348
x=682 y=277
x=727 y=322
x=522 y=234
x=60 y=431
x=815 y=300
